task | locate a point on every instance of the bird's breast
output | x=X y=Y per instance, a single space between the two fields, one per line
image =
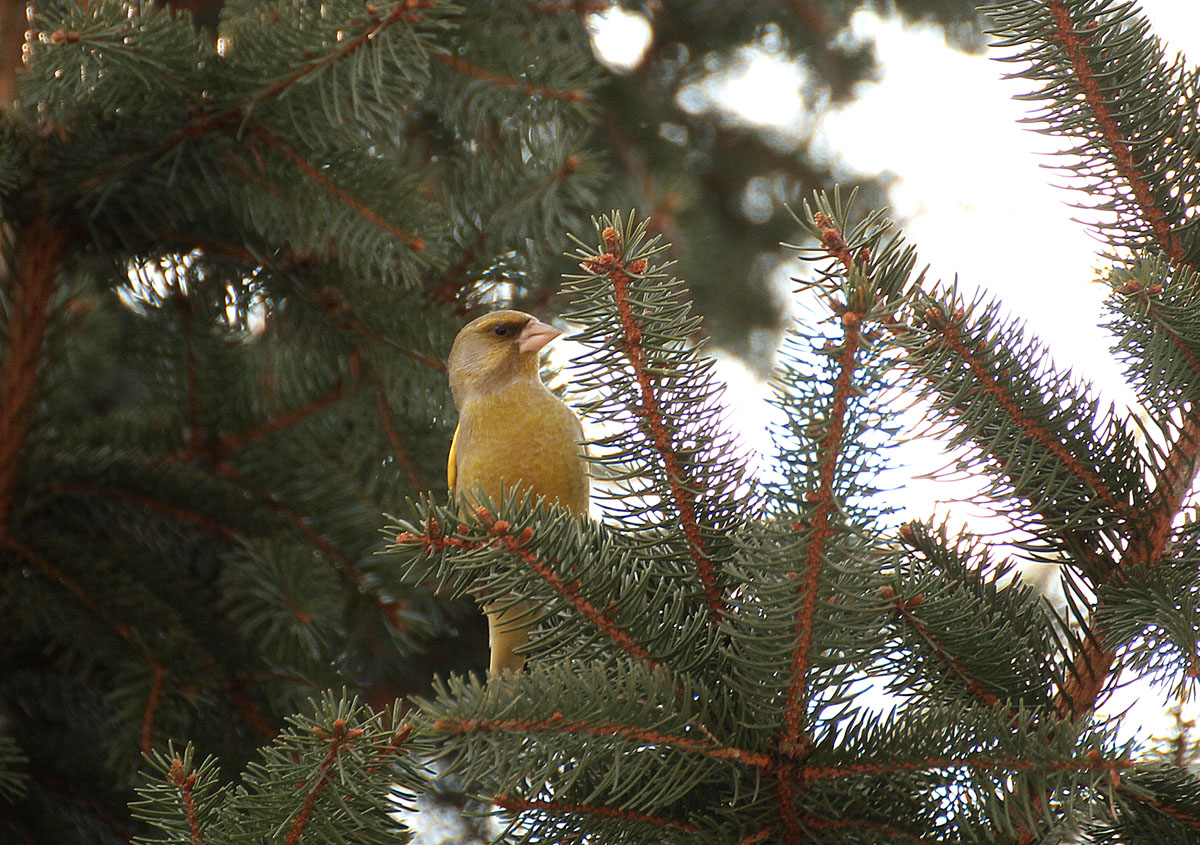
x=522 y=437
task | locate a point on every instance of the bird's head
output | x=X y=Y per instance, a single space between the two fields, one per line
x=495 y=350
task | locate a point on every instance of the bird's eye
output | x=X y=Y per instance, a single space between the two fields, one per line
x=500 y=330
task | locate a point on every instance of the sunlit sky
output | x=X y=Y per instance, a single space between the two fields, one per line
x=972 y=195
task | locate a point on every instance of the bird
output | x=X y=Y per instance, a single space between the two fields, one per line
x=513 y=435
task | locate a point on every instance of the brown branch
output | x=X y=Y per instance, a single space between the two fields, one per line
x=450 y=289
x=390 y=609
x=516 y=804
x=150 y=503
x=559 y=724
x=185 y=784
x=1092 y=762
x=156 y=687
x=569 y=95
x=885 y=831
x=387 y=420
x=950 y=334
x=40 y=251
x=904 y=609
x=12 y=38
x=1183 y=817
x=820 y=530
x=580 y=7
x=1091 y=665
x=408 y=12
x=194 y=434
x=330 y=301
x=1067 y=35
x=339 y=193
x=215 y=450
x=122 y=630
x=434 y=540
x=683 y=493
x=342 y=740
x=794 y=743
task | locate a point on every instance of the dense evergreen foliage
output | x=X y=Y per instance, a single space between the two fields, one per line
x=235 y=254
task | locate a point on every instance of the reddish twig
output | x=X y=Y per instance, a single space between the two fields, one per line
x=949 y=334
x=339 y=193
x=515 y=804
x=150 y=503
x=433 y=539
x=683 y=492
x=389 y=428
x=185 y=784
x=217 y=449
x=1093 y=662
x=122 y=630
x=41 y=246
x=408 y=12
x=559 y=724
x=156 y=688
x=819 y=529
x=342 y=740
x=569 y=95
x=450 y=288
x=581 y=7
x=1066 y=33
x=390 y=609
x=904 y=609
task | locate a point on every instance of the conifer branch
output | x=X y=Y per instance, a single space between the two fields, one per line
x=949 y=333
x=819 y=823
x=40 y=250
x=558 y=723
x=388 y=421
x=455 y=280
x=372 y=23
x=192 y=390
x=579 y=7
x=341 y=194
x=120 y=628
x=904 y=608
x=149 y=503
x=567 y=95
x=1092 y=762
x=516 y=804
x=1182 y=816
x=185 y=783
x=219 y=448
x=818 y=523
x=1067 y=34
x=232 y=442
x=819 y=529
x=343 y=316
x=341 y=740
x=433 y=538
x=611 y=264
x=156 y=688
x=390 y=609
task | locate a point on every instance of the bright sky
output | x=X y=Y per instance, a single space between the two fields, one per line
x=974 y=200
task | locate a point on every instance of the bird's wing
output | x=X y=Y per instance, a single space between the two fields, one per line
x=451 y=464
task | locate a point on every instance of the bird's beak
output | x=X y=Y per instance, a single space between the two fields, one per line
x=535 y=335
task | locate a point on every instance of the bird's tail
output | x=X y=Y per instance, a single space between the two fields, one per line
x=507 y=631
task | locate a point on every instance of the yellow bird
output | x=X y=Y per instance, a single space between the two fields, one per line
x=512 y=433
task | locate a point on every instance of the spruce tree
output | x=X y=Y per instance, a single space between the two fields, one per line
x=709 y=647
x=235 y=247
x=221 y=366
x=222 y=328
